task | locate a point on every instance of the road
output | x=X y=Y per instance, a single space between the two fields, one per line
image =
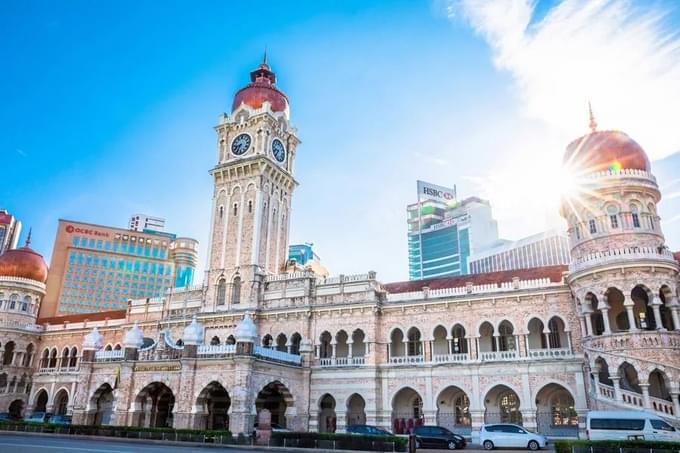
x=23 y=443
x=56 y=444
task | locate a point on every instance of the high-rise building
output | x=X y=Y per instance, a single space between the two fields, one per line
x=303 y=256
x=143 y=222
x=549 y=248
x=99 y=268
x=442 y=234
x=10 y=229
x=184 y=253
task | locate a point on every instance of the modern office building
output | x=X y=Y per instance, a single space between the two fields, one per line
x=143 y=222
x=302 y=256
x=184 y=254
x=441 y=235
x=10 y=229
x=98 y=268
x=549 y=248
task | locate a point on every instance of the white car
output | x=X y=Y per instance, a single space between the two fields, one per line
x=506 y=435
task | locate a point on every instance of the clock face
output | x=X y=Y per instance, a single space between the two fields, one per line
x=278 y=150
x=240 y=144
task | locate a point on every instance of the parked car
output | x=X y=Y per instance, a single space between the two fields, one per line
x=367 y=430
x=508 y=435
x=60 y=420
x=622 y=425
x=437 y=437
x=38 y=417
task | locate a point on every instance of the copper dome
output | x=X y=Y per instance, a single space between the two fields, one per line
x=606 y=150
x=261 y=88
x=25 y=263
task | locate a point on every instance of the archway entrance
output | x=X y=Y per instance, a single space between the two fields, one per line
x=102 y=400
x=154 y=406
x=41 y=401
x=16 y=409
x=407 y=411
x=61 y=402
x=274 y=397
x=215 y=402
x=356 y=410
x=327 y=418
x=502 y=406
x=453 y=410
x=555 y=413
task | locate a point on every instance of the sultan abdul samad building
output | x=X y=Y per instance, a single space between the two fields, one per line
x=539 y=346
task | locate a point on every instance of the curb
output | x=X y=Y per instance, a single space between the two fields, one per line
x=177 y=443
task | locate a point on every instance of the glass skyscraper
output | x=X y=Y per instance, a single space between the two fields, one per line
x=442 y=236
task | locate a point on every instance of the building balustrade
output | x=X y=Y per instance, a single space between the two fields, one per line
x=550 y=353
x=109 y=356
x=407 y=359
x=216 y=350
x=498 y=356
x=621 y=254
x=342 y=361
x=636 y=339
x=636 y=400
x=451 y=358
x=59 y=370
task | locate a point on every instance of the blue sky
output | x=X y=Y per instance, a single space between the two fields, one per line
x=107 y=109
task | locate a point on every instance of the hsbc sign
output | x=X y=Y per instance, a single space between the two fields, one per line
x=427 y=191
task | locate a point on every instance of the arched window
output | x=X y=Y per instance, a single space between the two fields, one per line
x=635 y=216
x=73 y=361
x=215 y=341
x=592 y=226
x=26 y=304
x=236 y=291
x=13 y=301
x=613 y=213
x=235 y=209
x=250 y=206
x=221 y=212
x=221 y=292
x=577 y=230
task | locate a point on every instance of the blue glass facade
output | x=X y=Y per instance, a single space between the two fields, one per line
x=444 y=252
x=102 y=274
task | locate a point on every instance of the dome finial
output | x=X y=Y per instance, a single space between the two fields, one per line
x=593 y=123
x=264 y=57
x=28 y=238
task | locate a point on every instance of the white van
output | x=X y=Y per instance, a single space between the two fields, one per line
x=623 y=425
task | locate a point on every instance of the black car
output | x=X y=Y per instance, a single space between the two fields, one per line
x=437 y=437
x=367 y=430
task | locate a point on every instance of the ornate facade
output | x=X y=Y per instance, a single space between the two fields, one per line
x=537 y=346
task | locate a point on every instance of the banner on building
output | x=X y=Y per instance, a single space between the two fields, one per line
x=427 y=191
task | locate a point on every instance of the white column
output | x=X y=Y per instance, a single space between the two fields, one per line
x=349 y=347
x=449 y=344
x=674 y=313
x=675 y=397
x=568 y=334
x=239 y=228
x=656 y=304
x=604 y=308
x=617 y=387
x=255 y=257
x=589 y=325
x=646 y=403
x=630 y=306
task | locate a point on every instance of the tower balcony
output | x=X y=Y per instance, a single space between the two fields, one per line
x=622 y=255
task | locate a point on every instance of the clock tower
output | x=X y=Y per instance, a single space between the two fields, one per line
x=253 y=186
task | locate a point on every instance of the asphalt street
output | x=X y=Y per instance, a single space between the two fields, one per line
x=12 y=443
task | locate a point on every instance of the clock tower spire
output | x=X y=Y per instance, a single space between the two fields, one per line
x=253 y=186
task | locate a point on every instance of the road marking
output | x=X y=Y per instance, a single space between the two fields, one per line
x=64 y=447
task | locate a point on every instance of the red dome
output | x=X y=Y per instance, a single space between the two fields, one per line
x=262 y=88
x=25 y=263
x=606 y=150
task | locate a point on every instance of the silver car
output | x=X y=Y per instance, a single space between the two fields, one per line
x=507 y=435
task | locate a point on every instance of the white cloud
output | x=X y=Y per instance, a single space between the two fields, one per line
x=617 y=54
